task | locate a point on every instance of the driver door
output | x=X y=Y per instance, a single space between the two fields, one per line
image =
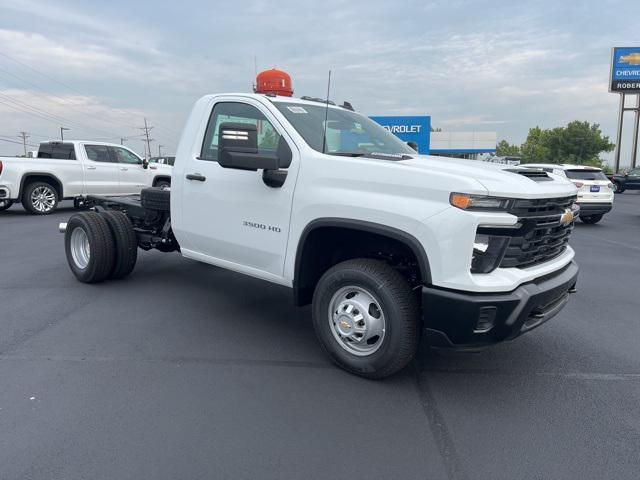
x=131 y=172
x=231 y=217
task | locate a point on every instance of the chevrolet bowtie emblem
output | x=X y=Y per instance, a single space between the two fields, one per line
x=345 y=325
x=567 y=217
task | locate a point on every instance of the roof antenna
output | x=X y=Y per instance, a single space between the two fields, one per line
x=326 y=115
x=255 y=72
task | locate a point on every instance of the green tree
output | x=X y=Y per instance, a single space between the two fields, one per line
x=505 y=149
x=269 y=138
x=578 y=143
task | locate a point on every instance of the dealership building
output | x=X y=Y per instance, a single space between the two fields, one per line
x=450 y=144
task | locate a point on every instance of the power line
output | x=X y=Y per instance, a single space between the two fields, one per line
x=42 y=114
x=69 y=87
x=74 y=89
x=41 y=73
x=16 y=142
x=62 y=101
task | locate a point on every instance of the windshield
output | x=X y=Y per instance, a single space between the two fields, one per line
x=585 y=175
x=347 y=132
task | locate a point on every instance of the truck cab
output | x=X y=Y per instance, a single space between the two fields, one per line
x=384 y=243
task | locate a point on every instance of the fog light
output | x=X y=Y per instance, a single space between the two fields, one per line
x=486 y=319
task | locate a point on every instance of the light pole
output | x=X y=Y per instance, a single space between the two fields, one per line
x=62 y=129
x=159 y=151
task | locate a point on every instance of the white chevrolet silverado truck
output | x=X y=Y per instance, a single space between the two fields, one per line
x=72 y=169
x=386 y=244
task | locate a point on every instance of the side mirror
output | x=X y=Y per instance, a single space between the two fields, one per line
x=413 y=145
x=238 y=148
x=145 y=163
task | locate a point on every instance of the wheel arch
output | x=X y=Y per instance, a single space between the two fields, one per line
x=158 y=178
x=41 y=177
x=308 y=266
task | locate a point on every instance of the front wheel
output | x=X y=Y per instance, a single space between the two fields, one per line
x=617 y=188
x=591 y=218
x=40 y=198
x=164 y=184
x=5 y=204
x=366 y=317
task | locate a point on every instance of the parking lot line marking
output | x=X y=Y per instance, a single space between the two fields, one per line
x=174 y=360
x=566 y=375
x=607 y=376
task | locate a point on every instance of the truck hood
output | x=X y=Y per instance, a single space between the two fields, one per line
x=499 y=180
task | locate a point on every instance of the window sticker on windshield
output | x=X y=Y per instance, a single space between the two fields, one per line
x=297 y=109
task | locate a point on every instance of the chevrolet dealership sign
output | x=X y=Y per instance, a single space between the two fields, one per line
x=625 y=70
x=409 y=129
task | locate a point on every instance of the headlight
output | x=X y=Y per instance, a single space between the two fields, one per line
x=488 y=251
x=465 y=201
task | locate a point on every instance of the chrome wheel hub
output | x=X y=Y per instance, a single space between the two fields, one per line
x=357 y=321
x=43 y=199
x=80 y=249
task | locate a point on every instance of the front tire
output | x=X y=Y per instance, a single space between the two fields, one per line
x=591 y=219
x=164 y=184
x=40 y=198
x=5 y=205
x=89 y=247
x=617 y=187
x=366 y=318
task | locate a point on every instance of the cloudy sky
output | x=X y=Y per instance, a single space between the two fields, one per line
x=100 y=67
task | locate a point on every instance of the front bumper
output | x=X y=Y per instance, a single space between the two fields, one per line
x=467 y=320
x=587 y=209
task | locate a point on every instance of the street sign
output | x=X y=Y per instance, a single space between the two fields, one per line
x=409 y=129
x=625 y=70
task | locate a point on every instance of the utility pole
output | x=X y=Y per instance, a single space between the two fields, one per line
x=24 y=141
x=146 y=129
x=122 y=140
x=62 y=129
x=159 y=152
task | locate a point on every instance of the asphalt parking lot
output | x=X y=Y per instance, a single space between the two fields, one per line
x=185 y=371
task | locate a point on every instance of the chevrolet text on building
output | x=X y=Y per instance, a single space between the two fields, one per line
x=383 y=242
x=402 y=128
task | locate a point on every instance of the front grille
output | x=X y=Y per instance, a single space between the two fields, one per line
x=539 y=235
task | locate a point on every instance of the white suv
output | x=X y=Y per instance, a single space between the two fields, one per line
x=595 y=190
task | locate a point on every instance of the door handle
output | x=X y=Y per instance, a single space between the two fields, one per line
x=124 y=169
x=91 y=167
x=196 y=176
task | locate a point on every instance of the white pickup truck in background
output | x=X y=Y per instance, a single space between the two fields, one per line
x=71 y=169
